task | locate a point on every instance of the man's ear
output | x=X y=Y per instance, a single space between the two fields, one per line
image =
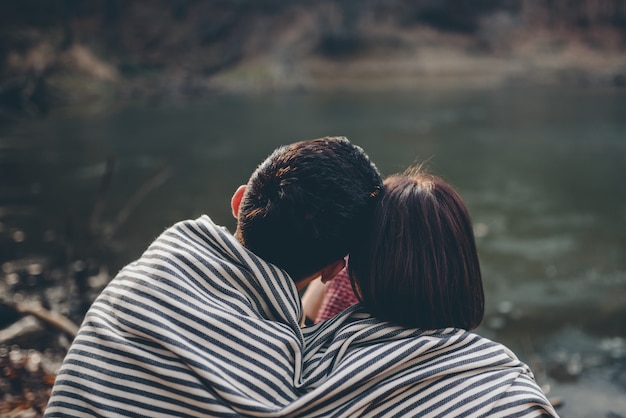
x=331 y=270
x=235 y=201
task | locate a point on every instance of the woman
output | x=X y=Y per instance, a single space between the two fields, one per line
x=406 y=349
x=418 y=266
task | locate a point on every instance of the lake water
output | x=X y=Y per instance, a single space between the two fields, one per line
x=542 y=171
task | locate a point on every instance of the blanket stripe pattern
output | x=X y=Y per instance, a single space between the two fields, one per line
x=200 y=327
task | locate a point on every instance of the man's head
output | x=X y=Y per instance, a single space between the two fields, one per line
x=305 y=205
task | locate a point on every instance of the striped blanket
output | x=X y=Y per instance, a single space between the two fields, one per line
x=199 y=326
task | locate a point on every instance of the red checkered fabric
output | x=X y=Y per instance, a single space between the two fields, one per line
x=338 y=296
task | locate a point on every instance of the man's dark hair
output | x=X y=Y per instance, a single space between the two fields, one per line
x=306 y=204
x=418 y=266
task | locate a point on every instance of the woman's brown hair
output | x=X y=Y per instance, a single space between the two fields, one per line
x=418 y=265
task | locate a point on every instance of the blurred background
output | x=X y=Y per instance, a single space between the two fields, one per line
x=121 y=117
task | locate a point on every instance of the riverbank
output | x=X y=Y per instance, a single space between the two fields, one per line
x=437 y=61
x=131 y=51
x=412 y=69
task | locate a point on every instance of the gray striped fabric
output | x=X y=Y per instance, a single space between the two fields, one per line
x=199 y=326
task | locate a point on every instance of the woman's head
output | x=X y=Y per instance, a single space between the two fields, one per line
x=419 y=266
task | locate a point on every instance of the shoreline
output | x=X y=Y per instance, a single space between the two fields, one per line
x=437 y=67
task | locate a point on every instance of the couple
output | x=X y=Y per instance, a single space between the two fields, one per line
x=205 y=323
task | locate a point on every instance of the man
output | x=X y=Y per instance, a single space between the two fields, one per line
x=205 y=323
